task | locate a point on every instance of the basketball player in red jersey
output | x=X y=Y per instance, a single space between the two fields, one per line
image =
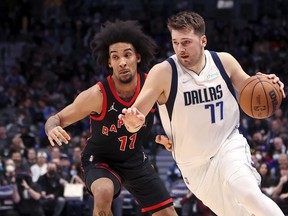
x=113 y=156
x=200 y=114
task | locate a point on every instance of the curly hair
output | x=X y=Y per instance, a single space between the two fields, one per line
x=123 y=31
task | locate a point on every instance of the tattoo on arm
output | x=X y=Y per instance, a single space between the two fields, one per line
x=52 y=122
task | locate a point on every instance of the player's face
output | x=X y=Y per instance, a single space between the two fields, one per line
x=123 y=59
x=188 y=47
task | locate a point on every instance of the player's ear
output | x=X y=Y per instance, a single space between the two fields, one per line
x=109 y=64
x=138 y=58
x=204 y=40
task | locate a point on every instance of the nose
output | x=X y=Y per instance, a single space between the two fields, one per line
x=181 y=48
x=122 y=63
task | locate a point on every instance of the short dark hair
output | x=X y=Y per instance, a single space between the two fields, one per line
x=123 y=31
x=187 y=20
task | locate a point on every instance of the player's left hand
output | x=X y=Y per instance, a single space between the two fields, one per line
x=165 y=141
x=275 y=80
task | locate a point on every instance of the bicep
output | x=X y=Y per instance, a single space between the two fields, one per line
x=234 y=70
x=155 y=88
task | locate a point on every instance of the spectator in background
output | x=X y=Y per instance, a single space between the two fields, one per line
x=267 y=179
x=278 y=147
x=31 y=156
x=40 y=168
x=76 y=206
x=274 y=131
x=280 y=162
x=64 y=166
x=20 y=162
x=30 y=194
x=55 y=153
x=3 y=139
x=256 y=159
x=9 y=175
x=8 y=190
x=76 y=155
x=257 y=140
x=257 y=125
x=27 y=137
x=17 y=145
x=52 y=187
x=47 y=110
x=280 y=191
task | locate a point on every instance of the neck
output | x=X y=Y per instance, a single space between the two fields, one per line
x=126 y=95
x=125 y=91
x=200 y=66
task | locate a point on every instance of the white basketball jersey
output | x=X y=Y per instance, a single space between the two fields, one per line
x=201 y=111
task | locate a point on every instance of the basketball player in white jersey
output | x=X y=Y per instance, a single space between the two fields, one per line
x=199 y=111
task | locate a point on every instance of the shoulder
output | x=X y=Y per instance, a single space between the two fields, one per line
x=163 y=66
x=229 y=62
x=93 y=91
x=227 y=59
x=224 y=56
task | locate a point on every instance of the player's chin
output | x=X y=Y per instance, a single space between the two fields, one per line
x=126 y=78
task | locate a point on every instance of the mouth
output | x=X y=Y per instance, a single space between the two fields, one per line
x=184 y=56
x=124 y=72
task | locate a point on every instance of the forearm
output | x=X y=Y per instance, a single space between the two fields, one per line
x=34 y=194
x=277 y=190
x=15 y=196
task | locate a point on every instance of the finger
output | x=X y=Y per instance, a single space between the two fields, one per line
x=135 y=111
x=129 y=111
x=282 y=89
x=120 y=116
x=283 y=93
x=169 y=147
x=59 y=134
x=51 y=141
x=56 y=138
x=64 y=134
x=158 y=139
x=124 y=110
x=276 y=80
x=161 y=139
x=61 y=137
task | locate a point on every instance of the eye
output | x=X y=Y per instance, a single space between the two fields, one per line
x=114 y=57
x=128 y=54
x=186 y=42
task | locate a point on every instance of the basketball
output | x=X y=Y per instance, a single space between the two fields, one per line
x=259 y=97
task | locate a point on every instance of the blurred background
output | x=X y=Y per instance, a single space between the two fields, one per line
x=45 y=62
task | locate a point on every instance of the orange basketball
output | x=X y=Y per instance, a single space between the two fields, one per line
x=259 y=97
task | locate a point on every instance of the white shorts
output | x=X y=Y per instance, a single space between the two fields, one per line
x=209 y=181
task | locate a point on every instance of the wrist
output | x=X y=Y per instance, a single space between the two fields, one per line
x=133 y=129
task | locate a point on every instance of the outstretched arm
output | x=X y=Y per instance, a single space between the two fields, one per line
x=155 y=89
x=85 y=103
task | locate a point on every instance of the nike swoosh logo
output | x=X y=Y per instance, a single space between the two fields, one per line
x=186 y=81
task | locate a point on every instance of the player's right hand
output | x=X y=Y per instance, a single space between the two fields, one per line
x=165 y=141
x=58 y=135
